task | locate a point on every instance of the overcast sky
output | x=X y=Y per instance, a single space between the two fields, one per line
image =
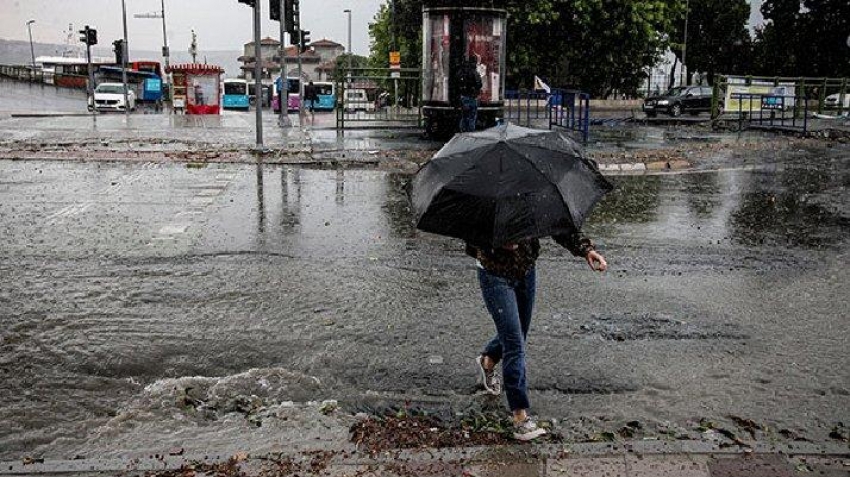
x=219 y=24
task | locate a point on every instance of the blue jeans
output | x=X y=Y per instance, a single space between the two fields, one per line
x=469 y=113
x=510 y=303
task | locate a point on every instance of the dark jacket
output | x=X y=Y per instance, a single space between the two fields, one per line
x=516 y=264
x=470 y=80
x=310 y=93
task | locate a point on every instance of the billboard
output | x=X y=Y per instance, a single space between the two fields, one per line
x=757 y=95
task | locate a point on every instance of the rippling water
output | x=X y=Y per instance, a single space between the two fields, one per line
x=134 y=294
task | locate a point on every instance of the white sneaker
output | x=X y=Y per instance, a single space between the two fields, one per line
x=527 y=430
x=492 y=381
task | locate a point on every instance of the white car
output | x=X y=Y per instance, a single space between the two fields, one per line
x=110 y=97
x=357 y=100
x=831 y=101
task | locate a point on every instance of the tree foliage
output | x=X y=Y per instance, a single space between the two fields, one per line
x=718 y=40
x=804 y=38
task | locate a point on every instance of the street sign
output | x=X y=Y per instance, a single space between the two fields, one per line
x=395 y=74
x=395 y=58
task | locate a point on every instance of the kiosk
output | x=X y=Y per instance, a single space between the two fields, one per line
x=196 y=88
x=452 y=36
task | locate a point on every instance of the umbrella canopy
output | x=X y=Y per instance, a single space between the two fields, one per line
x=504 y=184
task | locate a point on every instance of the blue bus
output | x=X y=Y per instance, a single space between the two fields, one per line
x=235 y=94
x=327 y=96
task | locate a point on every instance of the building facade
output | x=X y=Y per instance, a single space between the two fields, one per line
x=318 y=62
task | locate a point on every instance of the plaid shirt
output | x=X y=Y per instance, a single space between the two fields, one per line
x=515 y=264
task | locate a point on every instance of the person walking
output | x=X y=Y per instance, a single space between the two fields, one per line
x=507 y=278
x=470 y=88
x=310 y=97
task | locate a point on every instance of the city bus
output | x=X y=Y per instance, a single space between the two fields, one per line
x=293 y=93
x=326 y=93
x=235 y=94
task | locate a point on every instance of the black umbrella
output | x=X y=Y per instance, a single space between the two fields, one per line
x=506 y=183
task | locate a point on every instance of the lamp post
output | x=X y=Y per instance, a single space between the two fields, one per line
x=349 y=40
x=165 y=51
x=685 y=43
x=32 y=50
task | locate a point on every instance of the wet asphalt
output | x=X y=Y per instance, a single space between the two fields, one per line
x=726 y=296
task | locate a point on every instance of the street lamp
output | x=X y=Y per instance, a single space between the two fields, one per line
x=349 y=40
x=32 y=51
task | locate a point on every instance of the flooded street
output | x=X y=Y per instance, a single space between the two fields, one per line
x=131 y=291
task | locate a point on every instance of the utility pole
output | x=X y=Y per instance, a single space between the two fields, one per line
x=193 y=47
x=124 y=60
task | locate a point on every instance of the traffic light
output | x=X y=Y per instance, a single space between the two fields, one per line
x=305 y=40
x=119 y=51
x=290 y=16
x=250 y=3
x=274 y=10
x=294 y=38
x=84 y=35
x=92 y=36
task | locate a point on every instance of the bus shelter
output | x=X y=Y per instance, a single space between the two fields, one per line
x=453 y=38
x=196 y=88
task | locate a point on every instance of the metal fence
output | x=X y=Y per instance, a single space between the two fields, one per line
x=569 y=109
x=772 y=111
x=378 y=98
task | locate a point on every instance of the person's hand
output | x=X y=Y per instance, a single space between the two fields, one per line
x=596 y=261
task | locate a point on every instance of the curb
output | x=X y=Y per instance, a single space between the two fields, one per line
x=639 y=167
x=465 y=456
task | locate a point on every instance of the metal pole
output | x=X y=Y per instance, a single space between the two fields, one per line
x=124 y=60
x=685 y=44
x=395 y=48
x=90 y=89
x=282 y=92
x=166 y=54
x=300 y=74
x=258 y=73
x=32 y=50
x=350 y=53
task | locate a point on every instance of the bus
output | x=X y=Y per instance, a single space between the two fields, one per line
x=149 y=66
x=293 y=90
x=235 y=94
x=327 y=96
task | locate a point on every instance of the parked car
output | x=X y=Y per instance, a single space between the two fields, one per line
x=832 y=101
x=357 y=100
x=679 y=100
x=110 y=97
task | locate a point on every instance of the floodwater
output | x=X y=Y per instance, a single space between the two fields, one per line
x=131 y=292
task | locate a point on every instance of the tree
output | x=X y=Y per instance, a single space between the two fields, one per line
x=804 y=38
x=718 y=40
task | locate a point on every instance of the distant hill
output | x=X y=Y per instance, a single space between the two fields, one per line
x=15 y=52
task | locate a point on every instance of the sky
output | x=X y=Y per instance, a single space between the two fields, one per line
x=219 y=24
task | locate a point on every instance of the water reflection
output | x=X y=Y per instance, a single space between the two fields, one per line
x=360 y=211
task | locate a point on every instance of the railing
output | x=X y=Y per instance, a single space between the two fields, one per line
x=525 y=107
x=378 y=97
x=772 y=111
x=570 y=109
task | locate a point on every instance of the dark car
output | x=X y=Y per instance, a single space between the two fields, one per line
x=678 y=100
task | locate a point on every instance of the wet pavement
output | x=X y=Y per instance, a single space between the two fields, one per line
x=146 y=302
